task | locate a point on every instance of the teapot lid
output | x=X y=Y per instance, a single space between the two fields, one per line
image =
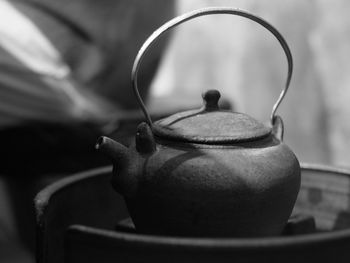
x=210 y=125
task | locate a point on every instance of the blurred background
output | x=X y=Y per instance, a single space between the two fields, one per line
x=65 y=79
x=245 y=62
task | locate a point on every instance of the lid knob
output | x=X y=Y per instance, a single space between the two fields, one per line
x=211 y=99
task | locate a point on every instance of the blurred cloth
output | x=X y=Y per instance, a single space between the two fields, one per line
x=70 y=61
x=36 y=84
x=64 y=75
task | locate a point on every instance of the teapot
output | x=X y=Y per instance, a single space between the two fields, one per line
x=207 y=172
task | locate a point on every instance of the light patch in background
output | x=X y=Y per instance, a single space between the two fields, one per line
x=26 y=43
x=249 y=68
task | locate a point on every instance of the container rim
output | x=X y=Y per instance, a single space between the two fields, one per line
x=222 y=243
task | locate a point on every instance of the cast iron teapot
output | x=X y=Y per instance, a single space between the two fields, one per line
x=207 y=172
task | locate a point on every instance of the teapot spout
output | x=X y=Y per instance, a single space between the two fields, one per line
x=117 y=152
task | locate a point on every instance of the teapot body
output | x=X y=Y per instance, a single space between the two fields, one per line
x=247 y=189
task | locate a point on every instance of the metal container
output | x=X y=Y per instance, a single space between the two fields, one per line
x=87 y=206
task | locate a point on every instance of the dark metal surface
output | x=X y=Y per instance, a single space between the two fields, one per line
x=214 y=127
x=77 y=200
x=86 y=198
x=243 y=189
x=297 y=225
x=210 y=125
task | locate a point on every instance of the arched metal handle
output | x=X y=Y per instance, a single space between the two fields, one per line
x=202 y=12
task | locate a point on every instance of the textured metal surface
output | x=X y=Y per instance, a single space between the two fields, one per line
x=245 y=189
x=210 y=125
x=213 y=127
